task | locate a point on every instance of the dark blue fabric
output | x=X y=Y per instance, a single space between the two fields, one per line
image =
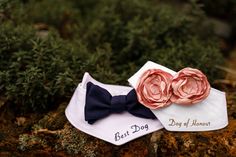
x=99 y=103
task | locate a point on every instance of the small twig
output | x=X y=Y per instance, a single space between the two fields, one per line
x=46 y=131
x=232 y=71
x=226 y=82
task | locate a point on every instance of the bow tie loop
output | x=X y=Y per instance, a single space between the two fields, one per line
x=118 y=103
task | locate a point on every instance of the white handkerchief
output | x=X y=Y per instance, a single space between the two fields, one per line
x=115 y=128
x=210 y=114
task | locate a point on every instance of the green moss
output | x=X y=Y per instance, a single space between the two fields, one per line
x=53 y=120
x=137 y=32
x=36 y=73
x=29 y=142
x=76 y=142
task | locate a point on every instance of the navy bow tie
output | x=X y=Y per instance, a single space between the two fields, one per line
x=100 y=103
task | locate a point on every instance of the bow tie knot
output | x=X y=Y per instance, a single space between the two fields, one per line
x=118 y=103
x=100 y=103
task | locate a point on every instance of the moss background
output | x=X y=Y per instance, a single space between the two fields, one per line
x=47 y=45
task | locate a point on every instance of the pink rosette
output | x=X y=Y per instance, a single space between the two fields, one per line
x=189 y=86
x=154 y=88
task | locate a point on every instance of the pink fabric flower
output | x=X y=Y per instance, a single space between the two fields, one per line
x=189 y=86
x=154 y=88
